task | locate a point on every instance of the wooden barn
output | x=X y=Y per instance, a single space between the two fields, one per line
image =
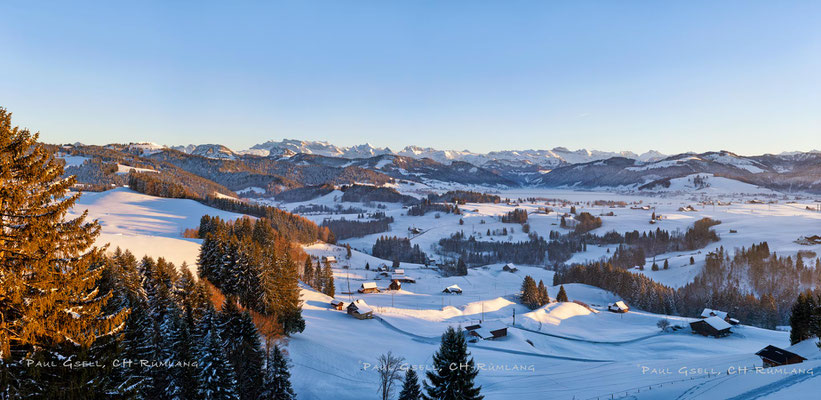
x=329 y=259
x=713 y=326
x=453 y=289
x=708 y=312
x=618 y=307
x=773 y=357
x=337 y=304
x=403 y=278
x=360 y=310
x=487 y=331
x=395 y=285
x=368 y=287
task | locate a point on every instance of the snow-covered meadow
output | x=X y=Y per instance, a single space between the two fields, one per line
x=562 y=350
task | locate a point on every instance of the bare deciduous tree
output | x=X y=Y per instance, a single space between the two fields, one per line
x=388 y=367
x=663 y=324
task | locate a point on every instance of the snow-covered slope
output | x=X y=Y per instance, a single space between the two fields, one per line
x=563 y=350
x=147 y=225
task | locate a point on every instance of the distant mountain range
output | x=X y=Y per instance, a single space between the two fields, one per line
x=543 y=158
x=282 y=165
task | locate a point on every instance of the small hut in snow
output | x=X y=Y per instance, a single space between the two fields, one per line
x=337 y=304
x=360 y=310
x=708 y=312
x=487 y=330
x=618 y=307
x=453 y=289
x=368 y=287
x=773 y=357
x=713 y=326
x=395 y=285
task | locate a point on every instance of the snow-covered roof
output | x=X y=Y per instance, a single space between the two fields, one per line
x=709 y=312
x=620 y=304
x=335 y=302
x=453 y=288
x=807 y=348
x=399 y=271
x=493 y=325
x=369 y=285
x=717 y=323
x=361 y=306
x=482 y=332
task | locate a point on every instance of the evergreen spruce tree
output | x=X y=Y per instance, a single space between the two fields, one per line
x=544 y=298
x=242 y=348
x=562 y=296
x=308 y=272
x=49 y=272
x=530 y=293
x=446 y=381
x=318 y=282
x=410 y=388
x=329 y=289
x=249 y=359
x=216 y=375
x=277 y=377
x=169 y=346
x=461 y=267
x=801 y=318
x=279 y=288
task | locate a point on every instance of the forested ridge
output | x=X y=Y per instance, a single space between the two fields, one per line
x=79 y=324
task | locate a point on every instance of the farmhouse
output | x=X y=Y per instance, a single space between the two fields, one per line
x=403 y=278
x=707 y=313
x=360 y=310
x=618 y=307
x=773 y=357
x=712 y=326
x=337 y=305
x=329 y=259
x=453 y=289
x=368 y=287
x=487 y=331
x=395 y=285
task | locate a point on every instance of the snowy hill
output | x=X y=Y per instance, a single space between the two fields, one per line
x=147 y=225
x=563 y=349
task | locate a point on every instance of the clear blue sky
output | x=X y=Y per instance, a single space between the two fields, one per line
x=743 y=76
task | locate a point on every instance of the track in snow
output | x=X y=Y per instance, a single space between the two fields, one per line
x=435 y=340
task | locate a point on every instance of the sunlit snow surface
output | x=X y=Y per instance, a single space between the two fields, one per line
x=561 y=351
x=147 y=225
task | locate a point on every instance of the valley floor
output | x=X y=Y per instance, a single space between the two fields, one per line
x=562 y=351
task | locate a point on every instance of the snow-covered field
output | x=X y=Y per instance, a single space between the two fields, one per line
x=561 y=351
x=147 y=225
